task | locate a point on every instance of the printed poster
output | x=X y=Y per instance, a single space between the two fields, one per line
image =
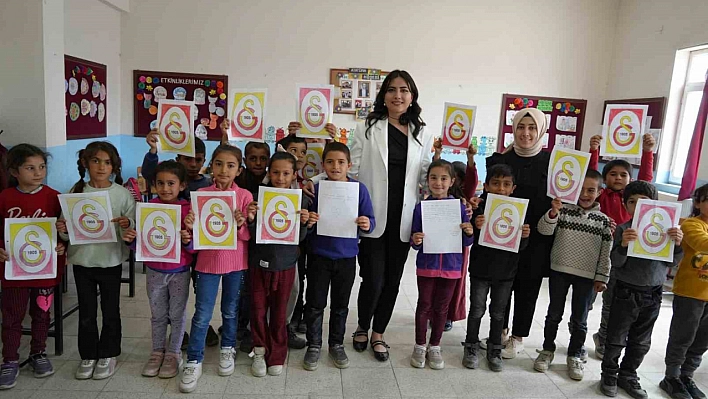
x=247 y=113
x=458 y=125
x=652 y=220
x=566 y=173
x=622 y=131
x=314 y=110
x=30 y=244
x=88 y=217
x=313 y=161
x=214 y=221
x=277 y=220
x=158 y=228
x=176 y=127
x=504 y=219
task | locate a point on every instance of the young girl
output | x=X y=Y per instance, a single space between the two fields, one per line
x=98 y=267
x=688 y=335
x=437 y=273
x=214 y=266
x=168 y=283
x=272 y=271
x=26 y=197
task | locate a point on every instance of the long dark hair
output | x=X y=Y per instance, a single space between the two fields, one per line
x=455 y=190
x=18 y=155
x=412 y=114
x=89 y=152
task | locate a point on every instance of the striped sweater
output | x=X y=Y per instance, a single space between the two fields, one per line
x=583 y=241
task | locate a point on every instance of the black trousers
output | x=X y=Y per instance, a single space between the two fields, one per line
x=526 y=290
x=381 y=262
x=323 y=273
x=632 y=316
x=302 y=265
x=479 y=290
x=244 y=314
x=89 y=280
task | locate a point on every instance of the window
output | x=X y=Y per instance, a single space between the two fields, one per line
x=691 y=100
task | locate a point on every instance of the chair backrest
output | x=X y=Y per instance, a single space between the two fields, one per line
x=132 y=186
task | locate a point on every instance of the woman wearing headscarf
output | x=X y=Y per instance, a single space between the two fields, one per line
x=530 y=166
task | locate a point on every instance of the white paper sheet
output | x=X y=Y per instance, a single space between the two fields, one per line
x=441 y=226
x=338 y=207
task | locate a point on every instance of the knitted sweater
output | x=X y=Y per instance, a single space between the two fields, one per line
x=582 y=243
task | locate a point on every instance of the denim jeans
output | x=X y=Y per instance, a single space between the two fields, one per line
x=500 y=292
x=632 y=316
x=688 y=336
x=558 y=286
x=207 y=287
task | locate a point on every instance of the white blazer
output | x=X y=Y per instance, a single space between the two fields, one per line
x=370 y=164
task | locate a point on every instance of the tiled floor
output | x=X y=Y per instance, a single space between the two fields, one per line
x=365 y=378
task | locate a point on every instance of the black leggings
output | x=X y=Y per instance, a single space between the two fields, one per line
x=381 y=263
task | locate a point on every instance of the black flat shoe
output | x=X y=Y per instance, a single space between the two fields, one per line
x=360 y=346
x=380 y=356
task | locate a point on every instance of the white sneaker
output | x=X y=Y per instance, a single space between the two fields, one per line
x=190 y=376
x=418 y=356
x=258 y=367
x=104 y=368
x=227 y=356
x=576 y=368
x=275 y=370
x=512 y=347
x=435 y=358
x=543 y=361
x=85 y=370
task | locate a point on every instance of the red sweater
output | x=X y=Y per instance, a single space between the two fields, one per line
x=611 y=201
x=16 y=204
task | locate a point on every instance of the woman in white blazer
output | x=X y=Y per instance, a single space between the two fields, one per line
x=390 y=154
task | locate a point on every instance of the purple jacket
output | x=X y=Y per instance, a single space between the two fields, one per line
x=187 y=250
x=438 y=265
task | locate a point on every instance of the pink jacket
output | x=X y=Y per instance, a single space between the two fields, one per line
x=187 y=251
x=223 y=261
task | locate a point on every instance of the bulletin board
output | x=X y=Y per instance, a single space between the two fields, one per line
x=207 y=91
x=355 y=90
x=565 y=118
x=84 y=98
x=657 y=112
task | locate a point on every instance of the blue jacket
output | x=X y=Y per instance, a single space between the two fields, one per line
x=438 y=265
x=335 y=247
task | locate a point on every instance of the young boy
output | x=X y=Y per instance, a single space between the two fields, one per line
x=333 y=264
x=196 y=181
x=616 y=174
x=688 y=334
x=580 y=258
x=636 y=302
x=492 y=272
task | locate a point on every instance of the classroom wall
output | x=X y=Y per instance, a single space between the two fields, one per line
x=648 y=34
x=463 y=51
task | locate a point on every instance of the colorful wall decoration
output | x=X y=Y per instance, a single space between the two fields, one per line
x=209 y=93
x=85 y=95
x=355 y=90
x=565 y=119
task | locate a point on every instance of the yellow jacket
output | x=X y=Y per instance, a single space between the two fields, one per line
x=692 y=277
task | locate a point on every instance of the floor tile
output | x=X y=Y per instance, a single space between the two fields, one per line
x=372 y=383
x=323 y=381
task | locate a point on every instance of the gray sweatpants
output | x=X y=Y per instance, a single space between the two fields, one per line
x=688 y=336
x=168 y=294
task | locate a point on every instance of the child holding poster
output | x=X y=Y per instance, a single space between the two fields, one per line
x=99 y=266
x=272 y=269
x=688 y=334
x=168 y=283
x=492 y=272
x=333 y=264
x=636 y=302
x=216 y=266
x=437 y=273
x=26 y=197
x=580 y=258
x=616 y=175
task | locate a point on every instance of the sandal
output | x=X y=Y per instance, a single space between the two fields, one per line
x=360 y=346
x=380 y=356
